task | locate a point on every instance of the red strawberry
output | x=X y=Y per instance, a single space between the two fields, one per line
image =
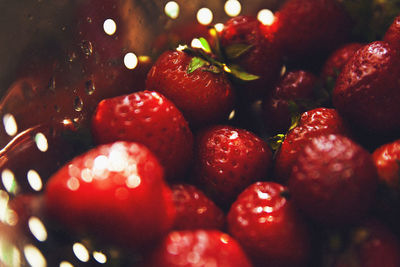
x=149 y=118
x=194 y=210
x=229 y=159
x=371 y=244
x=336 y=61
x=198 y=248
x=387 y=159
x=312 y=123
x=115 y=192
x=306 y=28
x=268 y=227
x=392 y=35
x=367 y=90
x=333 y=180
x=202 y=96
x=297 y=86
x=262 y=58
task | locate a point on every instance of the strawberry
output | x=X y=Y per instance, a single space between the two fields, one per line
x=370 y=244
x=198 y=248
x=247 y=43
x=306 y=28
x=333 y=180
x=311 y=124
x=194 y=210
x=386 y=159
x=229 y=159
x=149 y=118
x=115 y=192
x=366 y=91
x=392 y=35
x=295 y=87
x=268 y=227
x=336 y=61
x=203 y=97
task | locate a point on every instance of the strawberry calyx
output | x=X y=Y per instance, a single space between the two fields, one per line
x=216 y=60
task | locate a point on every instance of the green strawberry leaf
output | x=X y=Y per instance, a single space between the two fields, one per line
x=294 y=114
x=236 y=50
x=205 y=45
x=276 y=141
x=196 y=63
x=239 y=73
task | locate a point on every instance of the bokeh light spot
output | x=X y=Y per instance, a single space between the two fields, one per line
x=232 y=8
x=9 y=182
x=34 y=256
x=99 y=257
x=66 y=264
x=41 y=142
x=109 y=26
x=10 y=124
x=171 y=9
x=265 y=16
x=81 y=252
x=204 y=16
x=37 y=228
x=34 y=180
x=130 y=60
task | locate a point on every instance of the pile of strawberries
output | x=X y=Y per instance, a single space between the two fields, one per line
x=270 y=145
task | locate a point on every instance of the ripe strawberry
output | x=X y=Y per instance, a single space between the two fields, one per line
x=366 y=91
x=296 y=86
x=312 y=123
x=336 y=61
x=149 y=118
x=194 y=210
x=268 y=227
x=307 y=28
x=392 y=35
x=386 y=159
x=203 y=97
x=198 y=248
x=370 y=244
x=262 y=57
x=229 y=159
x=333 y=180
x=115 y=192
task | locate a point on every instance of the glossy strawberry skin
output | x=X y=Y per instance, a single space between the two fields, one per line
x=198 y=248
x=392 y=35
x=294 y=86
x=309 y=27
x=366 y=92
x=229 y=159
x=202 y=96
x=268 y=227
x=372 y=244
x=149 y=118
x=333 y=180
x=312 y=123
x=114 y=192
x=194 y=210
x=336 y=61
x=263 y=58
x=386 y=159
